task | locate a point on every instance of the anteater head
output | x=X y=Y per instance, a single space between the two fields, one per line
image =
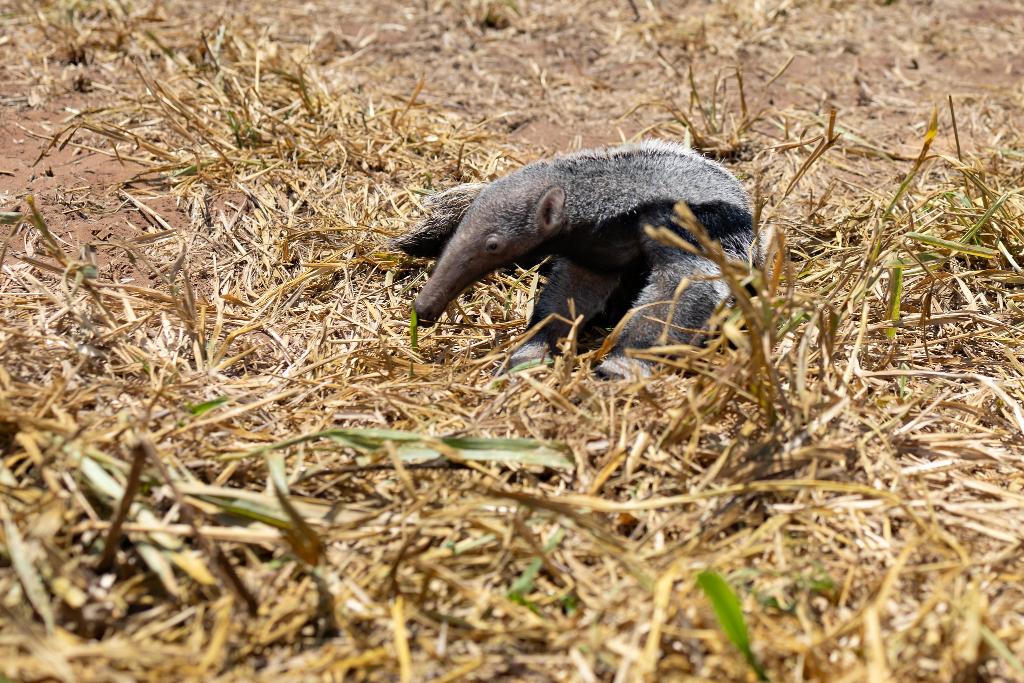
x=512 y=217
x=443 y=213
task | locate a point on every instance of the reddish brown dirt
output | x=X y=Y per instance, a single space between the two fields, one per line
x=80 y=192
x=883 y=66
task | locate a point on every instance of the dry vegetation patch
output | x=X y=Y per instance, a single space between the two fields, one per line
x=222 y=456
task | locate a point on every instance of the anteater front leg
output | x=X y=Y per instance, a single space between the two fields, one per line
x=587 y=289
x=661 y=316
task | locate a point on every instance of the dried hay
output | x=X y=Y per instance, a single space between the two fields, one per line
x=199 y=478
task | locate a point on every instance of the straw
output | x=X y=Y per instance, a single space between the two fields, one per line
x=222 y=457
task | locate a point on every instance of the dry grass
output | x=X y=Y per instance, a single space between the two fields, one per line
x=195 y=478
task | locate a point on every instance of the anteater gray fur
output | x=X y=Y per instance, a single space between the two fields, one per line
x=588 y=210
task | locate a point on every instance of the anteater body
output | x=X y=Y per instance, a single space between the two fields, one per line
x=588 y=210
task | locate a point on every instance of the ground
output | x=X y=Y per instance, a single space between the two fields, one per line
x=204 y=338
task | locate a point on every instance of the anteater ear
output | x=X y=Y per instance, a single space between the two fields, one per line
x=551 y=210
x=444 y=212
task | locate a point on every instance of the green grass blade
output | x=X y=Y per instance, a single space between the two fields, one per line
x=895 y=296
x=1002 y=650
x=972 y=234
x=970 y=249
x=929 y=136
x=414 y=338
x=304 y=541
x=413 y=447
x=730 y=616
x=524 y=584
x=526 y=365
x=198 y=409
x=31 y=581
x=249 y=510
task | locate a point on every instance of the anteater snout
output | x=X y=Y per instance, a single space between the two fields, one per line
x=428 y=309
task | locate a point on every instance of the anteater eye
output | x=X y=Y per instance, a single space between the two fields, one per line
x=493 y=243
